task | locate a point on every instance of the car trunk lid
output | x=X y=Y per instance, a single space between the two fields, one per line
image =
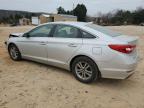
x=128 y=39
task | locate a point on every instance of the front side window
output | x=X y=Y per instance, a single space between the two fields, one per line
x=65 y=31
x=42 y=31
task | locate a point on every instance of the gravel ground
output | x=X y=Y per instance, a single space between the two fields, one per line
x=27 y=84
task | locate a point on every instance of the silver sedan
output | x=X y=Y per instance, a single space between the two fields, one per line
x=89 y=51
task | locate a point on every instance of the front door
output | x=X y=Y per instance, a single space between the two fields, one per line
x=34 y=45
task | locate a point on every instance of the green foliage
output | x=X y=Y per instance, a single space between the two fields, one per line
x=121 y=17
x=14 y=19
x=138 y=16
x=61 y=10
x=80 y=11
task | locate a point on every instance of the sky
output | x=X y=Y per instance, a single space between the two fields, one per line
x=50 y=6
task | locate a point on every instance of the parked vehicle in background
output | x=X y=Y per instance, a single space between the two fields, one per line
x=88 y=50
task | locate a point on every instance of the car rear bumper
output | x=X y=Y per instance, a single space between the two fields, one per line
x=117 y=74
x=122 y=72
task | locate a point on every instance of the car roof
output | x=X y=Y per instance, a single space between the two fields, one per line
x=77 y=24
x=81 y=25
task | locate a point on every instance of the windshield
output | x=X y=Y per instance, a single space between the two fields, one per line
x=103 y=30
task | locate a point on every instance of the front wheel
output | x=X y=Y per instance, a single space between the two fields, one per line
x=14 y=52
x=85 y=70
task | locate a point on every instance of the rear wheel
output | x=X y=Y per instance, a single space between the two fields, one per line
x=14 y=52
x=84 y=69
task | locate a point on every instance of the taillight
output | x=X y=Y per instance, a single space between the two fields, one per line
x=123 y=48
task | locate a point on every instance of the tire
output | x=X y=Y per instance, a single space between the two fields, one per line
x=84 y=69
x=14 y=52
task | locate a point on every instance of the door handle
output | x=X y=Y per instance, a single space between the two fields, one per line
x=72 y=45
x=42 y=43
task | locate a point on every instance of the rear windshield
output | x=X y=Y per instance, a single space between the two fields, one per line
x=103 y=30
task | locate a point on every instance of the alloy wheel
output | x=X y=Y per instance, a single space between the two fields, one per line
x=83 y=70
x=14 y=52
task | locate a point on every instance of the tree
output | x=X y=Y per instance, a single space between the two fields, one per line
x=61 y=10
x=138 y=16
x=5 y=20
x=17 y=17
x=80 y=11
x=28 y=15
x=121 y=17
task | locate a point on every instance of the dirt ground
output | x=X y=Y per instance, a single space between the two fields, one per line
x=28 y=84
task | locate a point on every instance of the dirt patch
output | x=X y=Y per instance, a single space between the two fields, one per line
x=27 y=84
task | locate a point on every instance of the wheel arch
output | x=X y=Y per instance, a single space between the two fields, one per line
x=11 y=43
x=71 y=61
x=19 y=53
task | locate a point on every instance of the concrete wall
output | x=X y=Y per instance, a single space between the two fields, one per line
x=63 y=18
x=24 y=21
x=56 y=17
x=43 y=19
x=70 y=19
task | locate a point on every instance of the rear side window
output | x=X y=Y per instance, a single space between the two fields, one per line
x=87 y=35
x=66 y=31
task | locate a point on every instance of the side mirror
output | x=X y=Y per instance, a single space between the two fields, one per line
x=26 y=35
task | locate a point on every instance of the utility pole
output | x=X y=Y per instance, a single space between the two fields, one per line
x=58 y=3
x=73 y=9
x=73 y=6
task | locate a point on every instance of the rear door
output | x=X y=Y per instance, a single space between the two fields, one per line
x=65 y=42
